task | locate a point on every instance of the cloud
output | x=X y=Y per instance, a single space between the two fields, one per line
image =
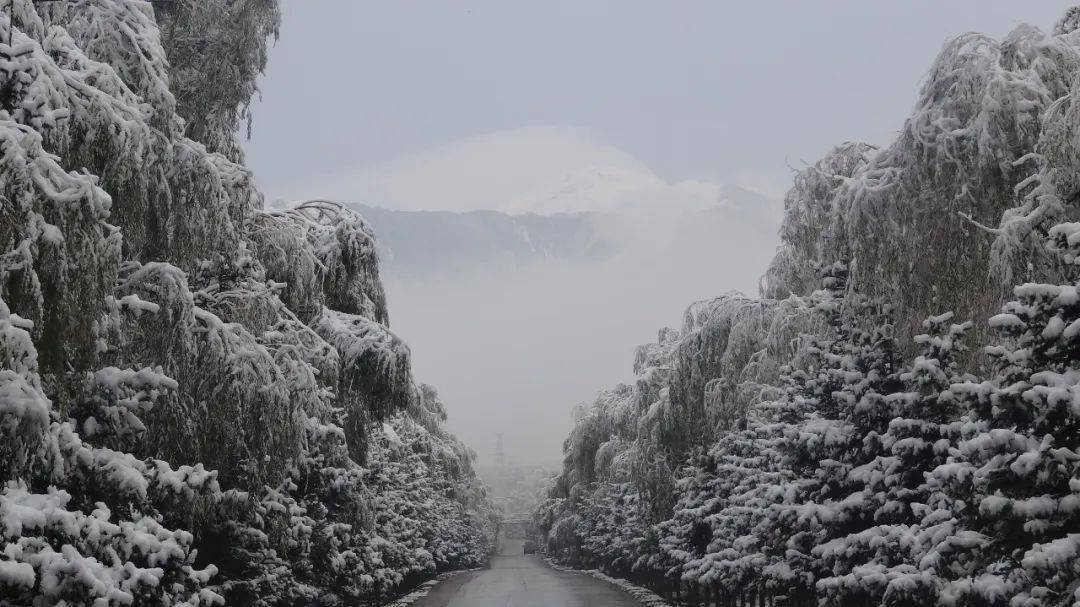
x=512 y=350
x=540 y=169
x=482 y=172
x=609 y=189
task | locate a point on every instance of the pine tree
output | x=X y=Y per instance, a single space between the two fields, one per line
x=844 y=397
x=725 y=552
x=876 y=564
x=1012 y=481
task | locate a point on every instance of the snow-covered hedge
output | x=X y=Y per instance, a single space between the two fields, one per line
x=842 y=440
x=189 y=383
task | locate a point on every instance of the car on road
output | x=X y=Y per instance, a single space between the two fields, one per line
x=530 y=547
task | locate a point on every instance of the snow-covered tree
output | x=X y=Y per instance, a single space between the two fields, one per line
x=877 y=563
x=1012 y=482
x=216 y=50
x=188 y=383
x=861 y=479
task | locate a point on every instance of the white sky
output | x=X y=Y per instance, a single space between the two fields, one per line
x=480 y=104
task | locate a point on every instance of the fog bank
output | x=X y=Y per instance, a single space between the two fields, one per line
x=514 y=349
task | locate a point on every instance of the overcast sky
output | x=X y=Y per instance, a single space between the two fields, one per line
x=492 y=104
x=727 y=91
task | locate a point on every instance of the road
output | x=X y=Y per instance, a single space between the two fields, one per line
x=519 y=580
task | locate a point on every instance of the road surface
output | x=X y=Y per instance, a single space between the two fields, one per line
x=519 y=580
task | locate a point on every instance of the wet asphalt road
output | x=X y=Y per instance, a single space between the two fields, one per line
x=519 y=580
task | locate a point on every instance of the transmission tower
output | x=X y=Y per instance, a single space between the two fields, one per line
x=500 y=455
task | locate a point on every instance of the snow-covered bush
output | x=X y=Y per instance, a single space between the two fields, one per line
x=53 y=555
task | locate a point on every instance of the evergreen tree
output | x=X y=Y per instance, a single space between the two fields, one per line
x=876 y=564
x=844 y=395
x=1012 y=482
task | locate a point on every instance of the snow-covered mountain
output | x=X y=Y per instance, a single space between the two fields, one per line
x=626 y=209
x=618 y=190
x=600 y=189
x=415 y=244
